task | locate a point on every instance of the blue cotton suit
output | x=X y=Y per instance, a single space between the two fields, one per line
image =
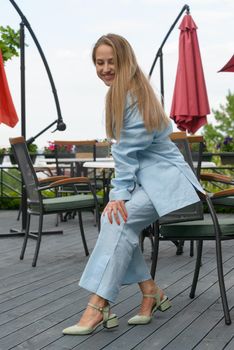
x=153 y=178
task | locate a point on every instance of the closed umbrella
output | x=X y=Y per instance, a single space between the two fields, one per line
x=8 y=114
x=229 y=66
x=190 y=104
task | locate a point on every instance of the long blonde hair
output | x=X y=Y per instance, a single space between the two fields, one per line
x=129 y=78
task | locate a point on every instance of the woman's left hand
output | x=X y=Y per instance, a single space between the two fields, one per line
x=115 y=208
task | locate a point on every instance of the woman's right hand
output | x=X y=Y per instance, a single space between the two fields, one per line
x=113 y=209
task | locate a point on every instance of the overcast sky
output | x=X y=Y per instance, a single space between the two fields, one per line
x=67 y=30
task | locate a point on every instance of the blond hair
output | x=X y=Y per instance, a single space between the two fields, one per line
x=129 y=78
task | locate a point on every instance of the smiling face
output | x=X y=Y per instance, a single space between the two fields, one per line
x=104 y=63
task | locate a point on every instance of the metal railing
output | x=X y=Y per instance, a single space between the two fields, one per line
x=10 y=182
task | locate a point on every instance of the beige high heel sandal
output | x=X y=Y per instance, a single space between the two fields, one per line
x=109 y=321
x=161 y=305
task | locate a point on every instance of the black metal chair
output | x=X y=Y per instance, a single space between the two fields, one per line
x=193 y=212
x=195 y=164
x=189 y=224
x=40 y=206
x=80 y=151
x=197 y=142
x=44 y=181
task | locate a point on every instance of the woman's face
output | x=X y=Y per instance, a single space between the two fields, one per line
x=104 y=62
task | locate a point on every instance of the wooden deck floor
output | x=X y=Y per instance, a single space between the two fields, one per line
x=37 y=303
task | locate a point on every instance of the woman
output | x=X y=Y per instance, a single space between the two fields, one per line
x=148 y=168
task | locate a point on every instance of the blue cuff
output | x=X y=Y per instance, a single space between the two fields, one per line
x=122 y=195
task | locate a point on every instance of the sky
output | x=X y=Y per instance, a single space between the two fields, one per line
x=67 y=31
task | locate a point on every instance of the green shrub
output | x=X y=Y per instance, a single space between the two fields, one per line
x=219 y=137
x=9 y=203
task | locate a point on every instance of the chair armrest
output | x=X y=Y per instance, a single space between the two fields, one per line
x=217 y=177
x=70 y=181
x=52 y=179
x=224 y=193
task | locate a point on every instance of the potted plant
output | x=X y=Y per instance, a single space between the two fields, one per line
x=32 y=148
x=9 y=152
x=226 y=148
x=103 y=148
x=2 y=154
x=206 y=156
x=64 y=151
x=49 y=150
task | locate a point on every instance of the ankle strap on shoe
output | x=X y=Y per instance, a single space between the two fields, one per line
x=150 y=295
x=104 y=310
x=156 y=296
x=96 y=307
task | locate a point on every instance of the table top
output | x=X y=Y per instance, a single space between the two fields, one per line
x=111 y=165
x=205 y=165
x=74 y=160
x=101 y=163
x=107 y=164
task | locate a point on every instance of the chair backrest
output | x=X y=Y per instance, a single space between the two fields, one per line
x=26 y=168
x=196 y=142
x=78 y=149
x=191 y=212
x=181 y=141
x=103 y=149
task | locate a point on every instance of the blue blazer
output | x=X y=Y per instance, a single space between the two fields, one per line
x=154 y=161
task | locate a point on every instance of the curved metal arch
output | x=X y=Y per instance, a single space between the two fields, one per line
x=27 y=25
x=159 y=53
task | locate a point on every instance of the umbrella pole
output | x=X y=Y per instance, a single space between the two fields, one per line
x=61 y=126
x=23 y=130
x=22 y=77
x=160 y=53
x=21 y=232
x=23 y=121
x=161 y=79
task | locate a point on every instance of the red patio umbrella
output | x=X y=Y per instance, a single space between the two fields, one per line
x=8 y=114
x=190 y=102
x=229 y=66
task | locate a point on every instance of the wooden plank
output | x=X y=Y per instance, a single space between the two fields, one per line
x=130 y=338
x=202 y=325
x=40 y=323
x=37 y=303
x=184 y=317
x=230 y=345
x=42 y=290
x=111 y=338
x=220 y=335
x=53 y=338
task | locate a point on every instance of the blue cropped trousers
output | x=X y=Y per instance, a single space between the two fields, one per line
x=117 y=258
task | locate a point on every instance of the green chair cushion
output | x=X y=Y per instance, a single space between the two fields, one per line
x=196 y=229
x=73 y=202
